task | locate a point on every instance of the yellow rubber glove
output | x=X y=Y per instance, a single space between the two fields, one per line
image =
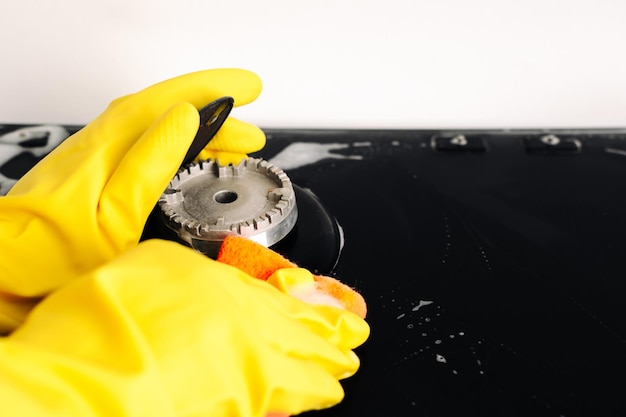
x=89 y=199
x=164 y=331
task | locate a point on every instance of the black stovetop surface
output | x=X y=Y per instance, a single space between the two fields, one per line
x=495 y=277
x=494 y=265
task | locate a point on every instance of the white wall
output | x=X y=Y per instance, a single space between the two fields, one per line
x=327 y=63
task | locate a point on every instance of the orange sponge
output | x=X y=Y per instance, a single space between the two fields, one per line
x=261 y=262
x=252 y=258
x=349 y=298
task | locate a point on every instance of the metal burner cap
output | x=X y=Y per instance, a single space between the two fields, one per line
x=206 y=202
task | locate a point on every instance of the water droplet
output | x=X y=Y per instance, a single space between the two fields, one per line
x=440 y=358
x=422 y=303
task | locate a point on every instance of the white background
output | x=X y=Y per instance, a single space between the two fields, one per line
x=327 y=63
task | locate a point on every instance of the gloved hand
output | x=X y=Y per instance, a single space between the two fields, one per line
x=89 y=199
x=164 y=331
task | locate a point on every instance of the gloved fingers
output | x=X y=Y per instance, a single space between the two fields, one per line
x=335 y=326
x=233 y=142
x=340 y=327
x=144 y=172
x=201 y=87
x=297 y=393
x=127 y=118
x=237 y=137
x=102 y=143
x=317 y=333
x=170 y=317
x=346 y=330
x=304 y=344
x=133 y=114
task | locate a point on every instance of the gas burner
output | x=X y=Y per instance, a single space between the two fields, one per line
x=206 y=202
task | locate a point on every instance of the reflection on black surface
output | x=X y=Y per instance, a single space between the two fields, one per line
x=315 y=242
x=494 y=280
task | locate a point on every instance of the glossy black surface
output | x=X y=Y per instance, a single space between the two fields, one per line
x=495 y=279
x=316 y=241
x=495 y=274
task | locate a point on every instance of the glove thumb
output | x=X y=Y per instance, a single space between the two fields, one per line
x=147 y=168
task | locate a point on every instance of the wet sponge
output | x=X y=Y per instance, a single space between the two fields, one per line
x=263 y=263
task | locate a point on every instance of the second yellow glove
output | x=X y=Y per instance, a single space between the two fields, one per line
x=164 y=331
